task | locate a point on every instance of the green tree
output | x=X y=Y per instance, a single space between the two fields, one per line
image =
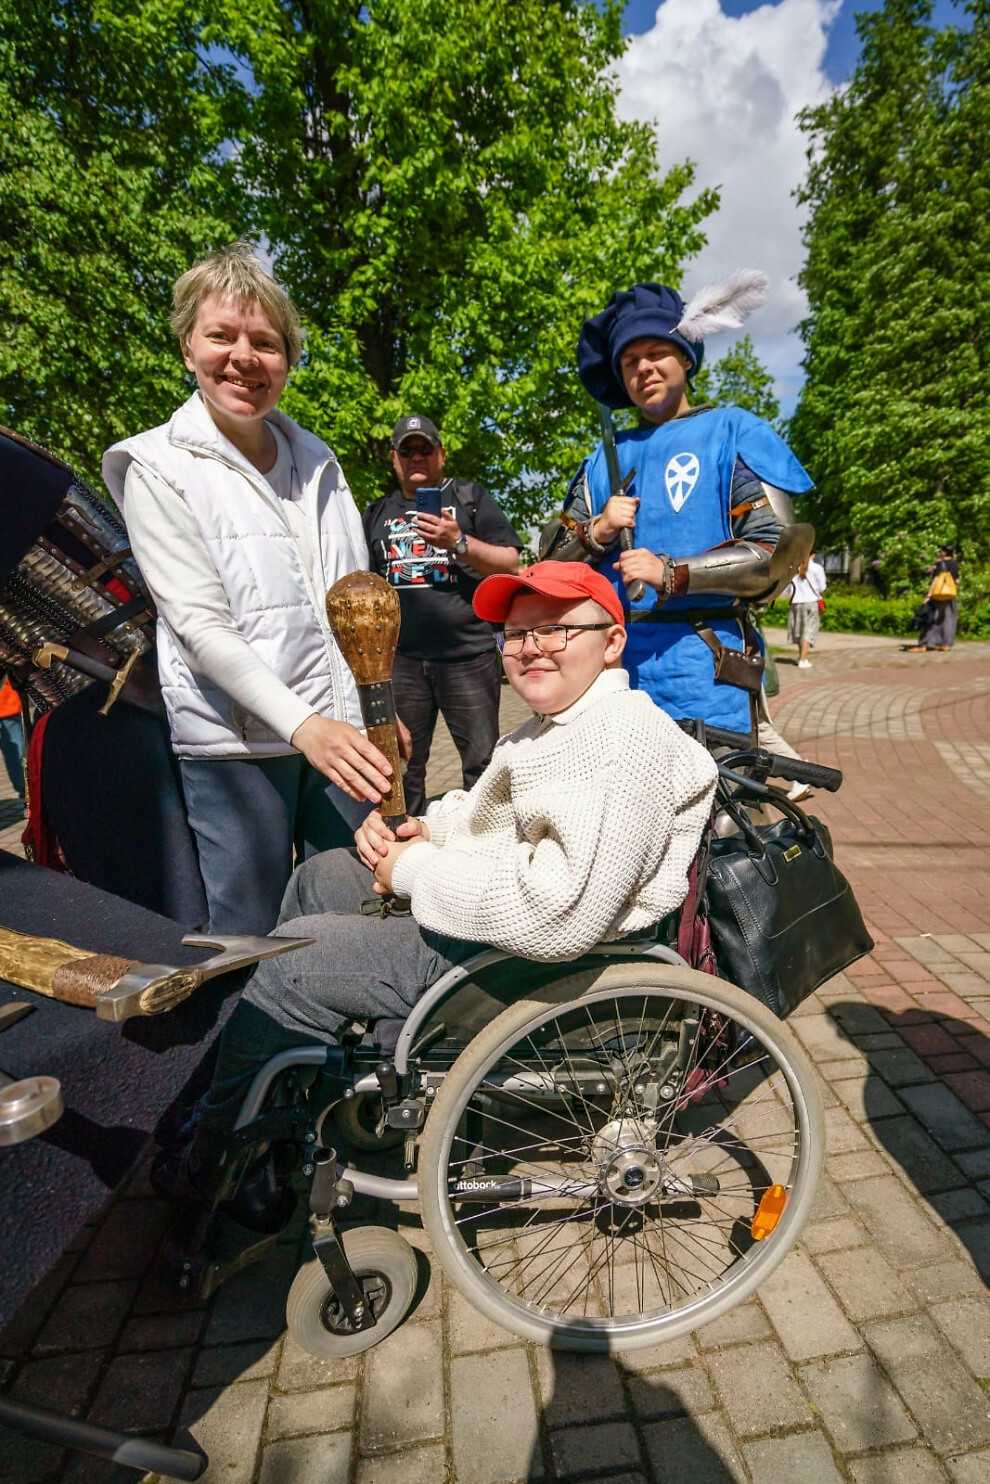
x=894 y=419
x=448 y=191
x=738 y=379
x=111 y=181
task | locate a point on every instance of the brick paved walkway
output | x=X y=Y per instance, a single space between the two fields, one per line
x=865 y=1359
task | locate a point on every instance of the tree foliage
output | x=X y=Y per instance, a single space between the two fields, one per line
x=739 y=379
x=111 y=181
x=445 y=190
x=894 y=419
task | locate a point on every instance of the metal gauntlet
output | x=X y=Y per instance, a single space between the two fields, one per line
x=744 y=569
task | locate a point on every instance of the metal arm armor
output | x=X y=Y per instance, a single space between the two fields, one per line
x=744 y=569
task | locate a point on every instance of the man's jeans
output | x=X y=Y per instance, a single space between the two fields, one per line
x=12 y=751
x=466 y=693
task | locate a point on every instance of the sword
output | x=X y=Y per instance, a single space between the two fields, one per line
x=618 y=486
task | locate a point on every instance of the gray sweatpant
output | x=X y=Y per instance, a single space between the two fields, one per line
x=359 y=967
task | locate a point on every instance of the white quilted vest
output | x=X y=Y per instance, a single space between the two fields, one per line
x=259 y=565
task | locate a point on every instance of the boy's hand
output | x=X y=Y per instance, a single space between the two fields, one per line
x=374 y=838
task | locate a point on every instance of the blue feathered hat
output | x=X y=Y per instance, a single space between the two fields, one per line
x=654 y=311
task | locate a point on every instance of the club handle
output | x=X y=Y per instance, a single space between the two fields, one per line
x=636 y=588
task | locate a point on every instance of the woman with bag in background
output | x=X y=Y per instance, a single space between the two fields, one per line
x=806 y=592
x=940 y=610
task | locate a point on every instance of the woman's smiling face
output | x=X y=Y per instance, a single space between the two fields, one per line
x=239 y=360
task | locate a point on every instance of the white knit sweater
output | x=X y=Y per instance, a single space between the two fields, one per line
x=581 y=829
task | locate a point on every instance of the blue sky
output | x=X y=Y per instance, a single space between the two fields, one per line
x=722 y=82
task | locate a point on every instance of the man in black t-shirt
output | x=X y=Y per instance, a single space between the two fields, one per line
x=446 y=660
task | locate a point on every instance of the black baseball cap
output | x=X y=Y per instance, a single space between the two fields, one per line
x=414 y=426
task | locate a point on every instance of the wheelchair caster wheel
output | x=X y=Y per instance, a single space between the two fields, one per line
x=356 y=1119
x=384 y=1265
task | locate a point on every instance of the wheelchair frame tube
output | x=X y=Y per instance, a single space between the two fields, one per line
x=118 y=1447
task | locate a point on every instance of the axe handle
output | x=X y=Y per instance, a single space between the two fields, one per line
x=634 y=589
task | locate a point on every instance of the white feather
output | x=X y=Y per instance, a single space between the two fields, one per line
x=724 y=305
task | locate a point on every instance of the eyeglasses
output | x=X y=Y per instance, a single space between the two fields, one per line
x=416 y=451
x=549 y=638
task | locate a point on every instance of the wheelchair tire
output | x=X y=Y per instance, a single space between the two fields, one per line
x=385 y=1266
x=592 y=1221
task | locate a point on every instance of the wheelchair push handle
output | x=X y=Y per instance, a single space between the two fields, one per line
x=747 y=753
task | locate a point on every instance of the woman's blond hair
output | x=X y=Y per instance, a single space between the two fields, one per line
x=235 y=273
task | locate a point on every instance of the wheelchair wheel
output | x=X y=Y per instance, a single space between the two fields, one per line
x=384 y=1265
x=622 y=1157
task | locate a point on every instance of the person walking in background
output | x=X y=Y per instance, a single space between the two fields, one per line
x=806 y=591
x=940 y=609
x=446 y=662
x=12 y=737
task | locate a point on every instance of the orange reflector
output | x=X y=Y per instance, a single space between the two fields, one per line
x=768 y=1212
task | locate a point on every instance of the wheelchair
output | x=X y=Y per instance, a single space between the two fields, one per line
x=606 y=1153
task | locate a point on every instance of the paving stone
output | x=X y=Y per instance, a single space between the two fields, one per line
x=858 y=1406
x=63 y=1382
x=757 y=1389
x=581 y=1449
x=942 y=1280
x=866 y=1285
x=140 y=1393
x=842 y=1133
x=494 y=1428
x=671 y=1394
x=300 y=1371
x=972 y=1469
x=307 y=1460
x=975 y=1238
x=425 y=1465
x=468 y=1329
x=578 y=1388
x=804 y=1456
x=822 y=1038
x=803 y=1312
x=251 y=1305
x=403 y=1389
x=163 y=1331
x=88 y=1316
x=926 y=1165
x=829 y=1202
x=957 y=1205
x=861 y=1164
x=328 y=1410
x=898 y=1466
x=225 y=1364
x=896 y=1222
x=900 y=1068
x=941 y=1112
x=25 y=1461
x=965 y=1322
x=867 y=1097
x=951 y=1409
x=127 y=1240
x=975 y=1162
x=670 y=1353
x=227 y=1426
x=857 y=1019
x=833 y=1236
x=747 y=1322
x=694 y=1450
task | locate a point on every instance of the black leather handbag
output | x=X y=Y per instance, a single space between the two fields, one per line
x=783 y=917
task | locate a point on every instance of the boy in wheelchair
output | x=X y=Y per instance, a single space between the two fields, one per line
x=581 y=830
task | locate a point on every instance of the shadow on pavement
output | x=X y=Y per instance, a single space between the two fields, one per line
x=917 y=1117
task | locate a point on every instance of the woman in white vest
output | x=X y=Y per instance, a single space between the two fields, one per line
x=240 y=521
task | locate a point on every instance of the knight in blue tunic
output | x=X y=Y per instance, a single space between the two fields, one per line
x=709 y=500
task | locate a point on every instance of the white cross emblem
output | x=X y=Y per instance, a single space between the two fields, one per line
x=680 y=477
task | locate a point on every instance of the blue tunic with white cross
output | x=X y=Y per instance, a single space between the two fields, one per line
x=684 y=473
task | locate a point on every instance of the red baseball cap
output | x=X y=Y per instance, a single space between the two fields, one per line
x=574 y=580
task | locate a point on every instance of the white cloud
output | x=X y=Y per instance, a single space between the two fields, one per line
x=724 y=91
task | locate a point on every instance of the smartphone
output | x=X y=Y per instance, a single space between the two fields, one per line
x=428 y=500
